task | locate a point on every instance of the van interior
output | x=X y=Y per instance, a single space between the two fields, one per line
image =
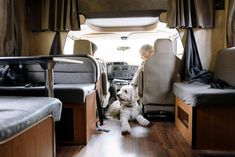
x=74 y=81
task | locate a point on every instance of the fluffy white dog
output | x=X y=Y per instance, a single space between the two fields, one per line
x=127 y=108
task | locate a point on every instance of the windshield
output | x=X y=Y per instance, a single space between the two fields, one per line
x=123 y=46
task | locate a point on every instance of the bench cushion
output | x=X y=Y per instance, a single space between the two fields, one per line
x=67 y=93
x=202 y=94
x=18 y=113
x=73 y=93
x=225 y=65
x=67 y=73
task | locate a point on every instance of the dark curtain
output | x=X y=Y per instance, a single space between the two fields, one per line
x=190 y=64
x=56 y=45
x=190 y=13
x=231 y=24
x=54 y=15
x=10 y=28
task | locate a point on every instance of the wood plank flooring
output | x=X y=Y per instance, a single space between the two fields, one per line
x=161 y=139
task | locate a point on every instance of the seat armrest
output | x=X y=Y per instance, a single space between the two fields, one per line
x=140 y=83
x=104 y=83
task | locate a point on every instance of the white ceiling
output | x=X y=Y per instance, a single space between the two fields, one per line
x=123 y=22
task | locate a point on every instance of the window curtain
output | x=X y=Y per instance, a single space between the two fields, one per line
x=231 y=24
x=54 y=15
x=10 y=28
x=189 y=14
x=56 y=45
x=190 y=64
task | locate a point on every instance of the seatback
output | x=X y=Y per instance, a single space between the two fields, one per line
x=158 y=74
x=225 y=65
x=71 y=73
x=85 y=47
x=67 y=73
x=82 y=47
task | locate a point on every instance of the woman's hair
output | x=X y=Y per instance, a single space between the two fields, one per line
x=93 y=47
x=146 y=51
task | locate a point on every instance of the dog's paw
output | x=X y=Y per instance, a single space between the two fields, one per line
x=125 y=133
x=145 y=122
x=126 y=129
x=142 y=121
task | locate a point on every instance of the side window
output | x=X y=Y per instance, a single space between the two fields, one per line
x=178 y=47
x=68 y=46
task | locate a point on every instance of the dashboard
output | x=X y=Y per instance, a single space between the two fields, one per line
x=121 y=70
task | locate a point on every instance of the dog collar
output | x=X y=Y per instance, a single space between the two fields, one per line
x=127 y=105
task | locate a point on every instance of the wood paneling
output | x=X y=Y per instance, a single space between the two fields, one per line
x=83 y=121
x=215 y=127
x=186 y=130
x=90 y=116
x=209 y=126
x=36 y=141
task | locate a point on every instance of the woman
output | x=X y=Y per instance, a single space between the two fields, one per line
x=146 y=51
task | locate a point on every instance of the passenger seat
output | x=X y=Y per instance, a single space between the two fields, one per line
x=156 y=81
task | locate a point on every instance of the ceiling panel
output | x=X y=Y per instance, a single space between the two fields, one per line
x=121 y=8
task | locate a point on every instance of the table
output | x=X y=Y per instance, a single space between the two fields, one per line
x=46 y=62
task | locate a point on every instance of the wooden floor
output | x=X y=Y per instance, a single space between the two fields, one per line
x=161 y=139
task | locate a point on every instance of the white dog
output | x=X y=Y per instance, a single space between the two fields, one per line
x=127 y=107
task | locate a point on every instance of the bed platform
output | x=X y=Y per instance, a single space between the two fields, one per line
x=75 y=86
x=27 y=126
x=205 y=116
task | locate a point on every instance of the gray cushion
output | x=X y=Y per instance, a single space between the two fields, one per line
x=67 y=93
x=18 y=113
x=73 y=93
x=201 y=94
x=71 y=73
x=73 y=81
x=225 y=65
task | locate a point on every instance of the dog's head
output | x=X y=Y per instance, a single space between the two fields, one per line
x=127 y=95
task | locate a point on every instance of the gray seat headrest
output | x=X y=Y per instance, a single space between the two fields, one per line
x=82 y=47
x=163 y=45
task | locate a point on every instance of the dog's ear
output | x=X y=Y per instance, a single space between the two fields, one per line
x=134 y=94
